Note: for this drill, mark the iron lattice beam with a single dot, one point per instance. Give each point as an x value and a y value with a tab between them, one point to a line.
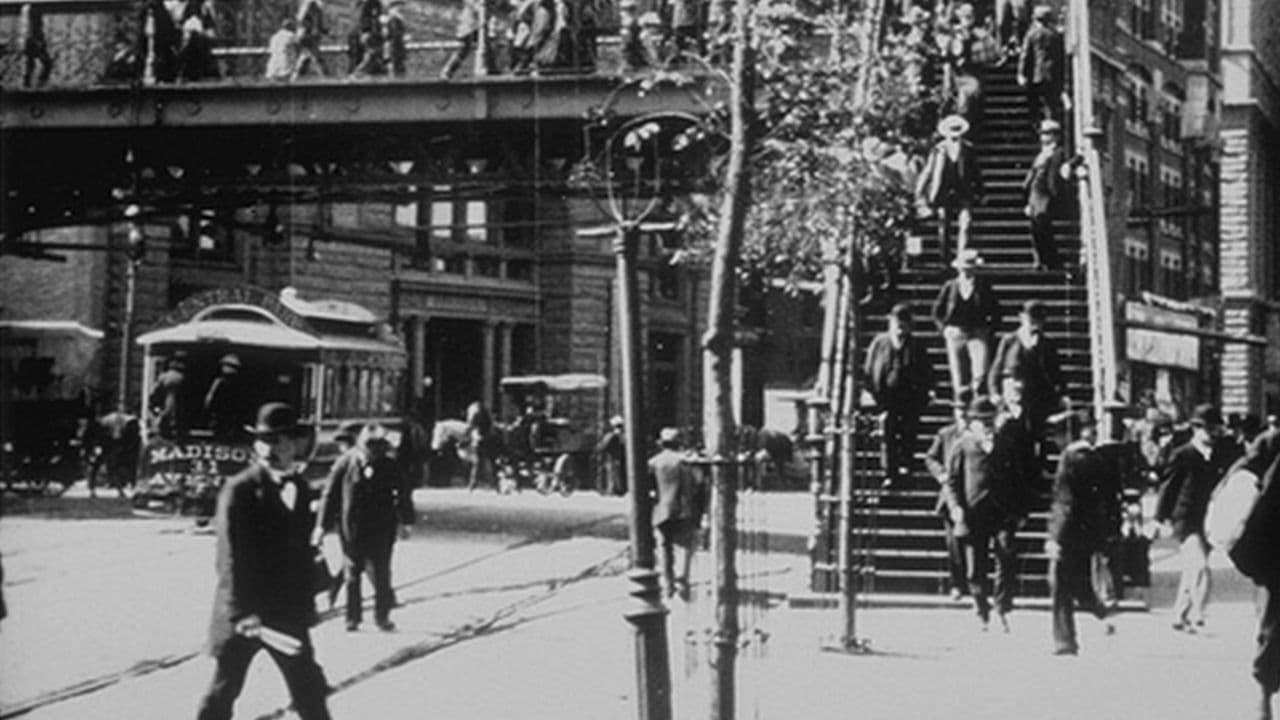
80	157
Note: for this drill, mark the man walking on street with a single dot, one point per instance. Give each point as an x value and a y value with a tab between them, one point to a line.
981	497
1042	66
264	593
898	376
935	460
1076	529
364	498
675	515
1188	482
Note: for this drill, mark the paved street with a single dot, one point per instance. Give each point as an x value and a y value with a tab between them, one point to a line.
512	608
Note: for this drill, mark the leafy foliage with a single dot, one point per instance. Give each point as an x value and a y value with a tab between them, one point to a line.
824	165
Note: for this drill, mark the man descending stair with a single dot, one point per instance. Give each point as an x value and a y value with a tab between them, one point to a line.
1047	192
966	312
1042	67
897	371
982	497
951	183
1027	355
935	459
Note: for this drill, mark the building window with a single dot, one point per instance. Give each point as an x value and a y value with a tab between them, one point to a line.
1171	278
441	214
1136	262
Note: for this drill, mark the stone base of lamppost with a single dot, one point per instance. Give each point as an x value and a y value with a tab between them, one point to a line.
648	618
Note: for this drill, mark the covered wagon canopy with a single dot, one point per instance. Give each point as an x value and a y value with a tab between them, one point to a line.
566	382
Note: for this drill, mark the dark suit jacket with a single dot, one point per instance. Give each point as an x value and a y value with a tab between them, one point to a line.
1044	184
932	186
935	460
264	556
1043	60
898	378
1188	480
363	500
944	305
1076	515
1037	367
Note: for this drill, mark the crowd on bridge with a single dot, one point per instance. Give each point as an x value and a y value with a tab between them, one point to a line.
177	40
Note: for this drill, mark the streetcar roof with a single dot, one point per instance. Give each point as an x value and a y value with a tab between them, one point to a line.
257	334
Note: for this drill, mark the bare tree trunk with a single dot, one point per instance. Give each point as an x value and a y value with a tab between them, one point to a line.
718	414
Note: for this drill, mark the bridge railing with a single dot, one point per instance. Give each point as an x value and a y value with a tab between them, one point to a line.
82	45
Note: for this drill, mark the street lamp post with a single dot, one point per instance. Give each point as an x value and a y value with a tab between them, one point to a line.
134	251
647	615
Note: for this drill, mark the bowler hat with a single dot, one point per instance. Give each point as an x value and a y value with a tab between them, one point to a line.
274	418
1206	415
1034	309
374	433
901	312
982	408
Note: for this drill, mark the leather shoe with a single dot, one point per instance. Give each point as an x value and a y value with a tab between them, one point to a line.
386	625
352	626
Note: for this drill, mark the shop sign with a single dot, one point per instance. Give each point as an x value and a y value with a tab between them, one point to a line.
1154	347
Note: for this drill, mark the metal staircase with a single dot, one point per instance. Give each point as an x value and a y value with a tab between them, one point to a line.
896	540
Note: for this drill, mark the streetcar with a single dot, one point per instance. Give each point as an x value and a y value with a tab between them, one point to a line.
543	448
221	354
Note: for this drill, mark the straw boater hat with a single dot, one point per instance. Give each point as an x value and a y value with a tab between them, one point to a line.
1042	12
669	435
953	126
230	360
1050	126
966	259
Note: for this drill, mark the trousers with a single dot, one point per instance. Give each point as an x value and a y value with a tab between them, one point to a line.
302	676
896	452
1071	586
376	558
980	546
968	353
1266	662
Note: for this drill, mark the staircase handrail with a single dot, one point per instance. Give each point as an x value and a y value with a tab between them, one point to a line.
1095	248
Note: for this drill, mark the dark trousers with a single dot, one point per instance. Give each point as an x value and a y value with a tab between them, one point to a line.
468	46
32	55
900	424
302	676
1042	244
1266	663
1071	586
955	556
1045	101
377	559
979	547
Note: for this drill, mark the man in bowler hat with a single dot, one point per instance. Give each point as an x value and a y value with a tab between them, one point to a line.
1077	527
264	563
984	503
899	377
1188	480
364	498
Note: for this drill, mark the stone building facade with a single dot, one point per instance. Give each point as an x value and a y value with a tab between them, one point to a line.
1251	202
